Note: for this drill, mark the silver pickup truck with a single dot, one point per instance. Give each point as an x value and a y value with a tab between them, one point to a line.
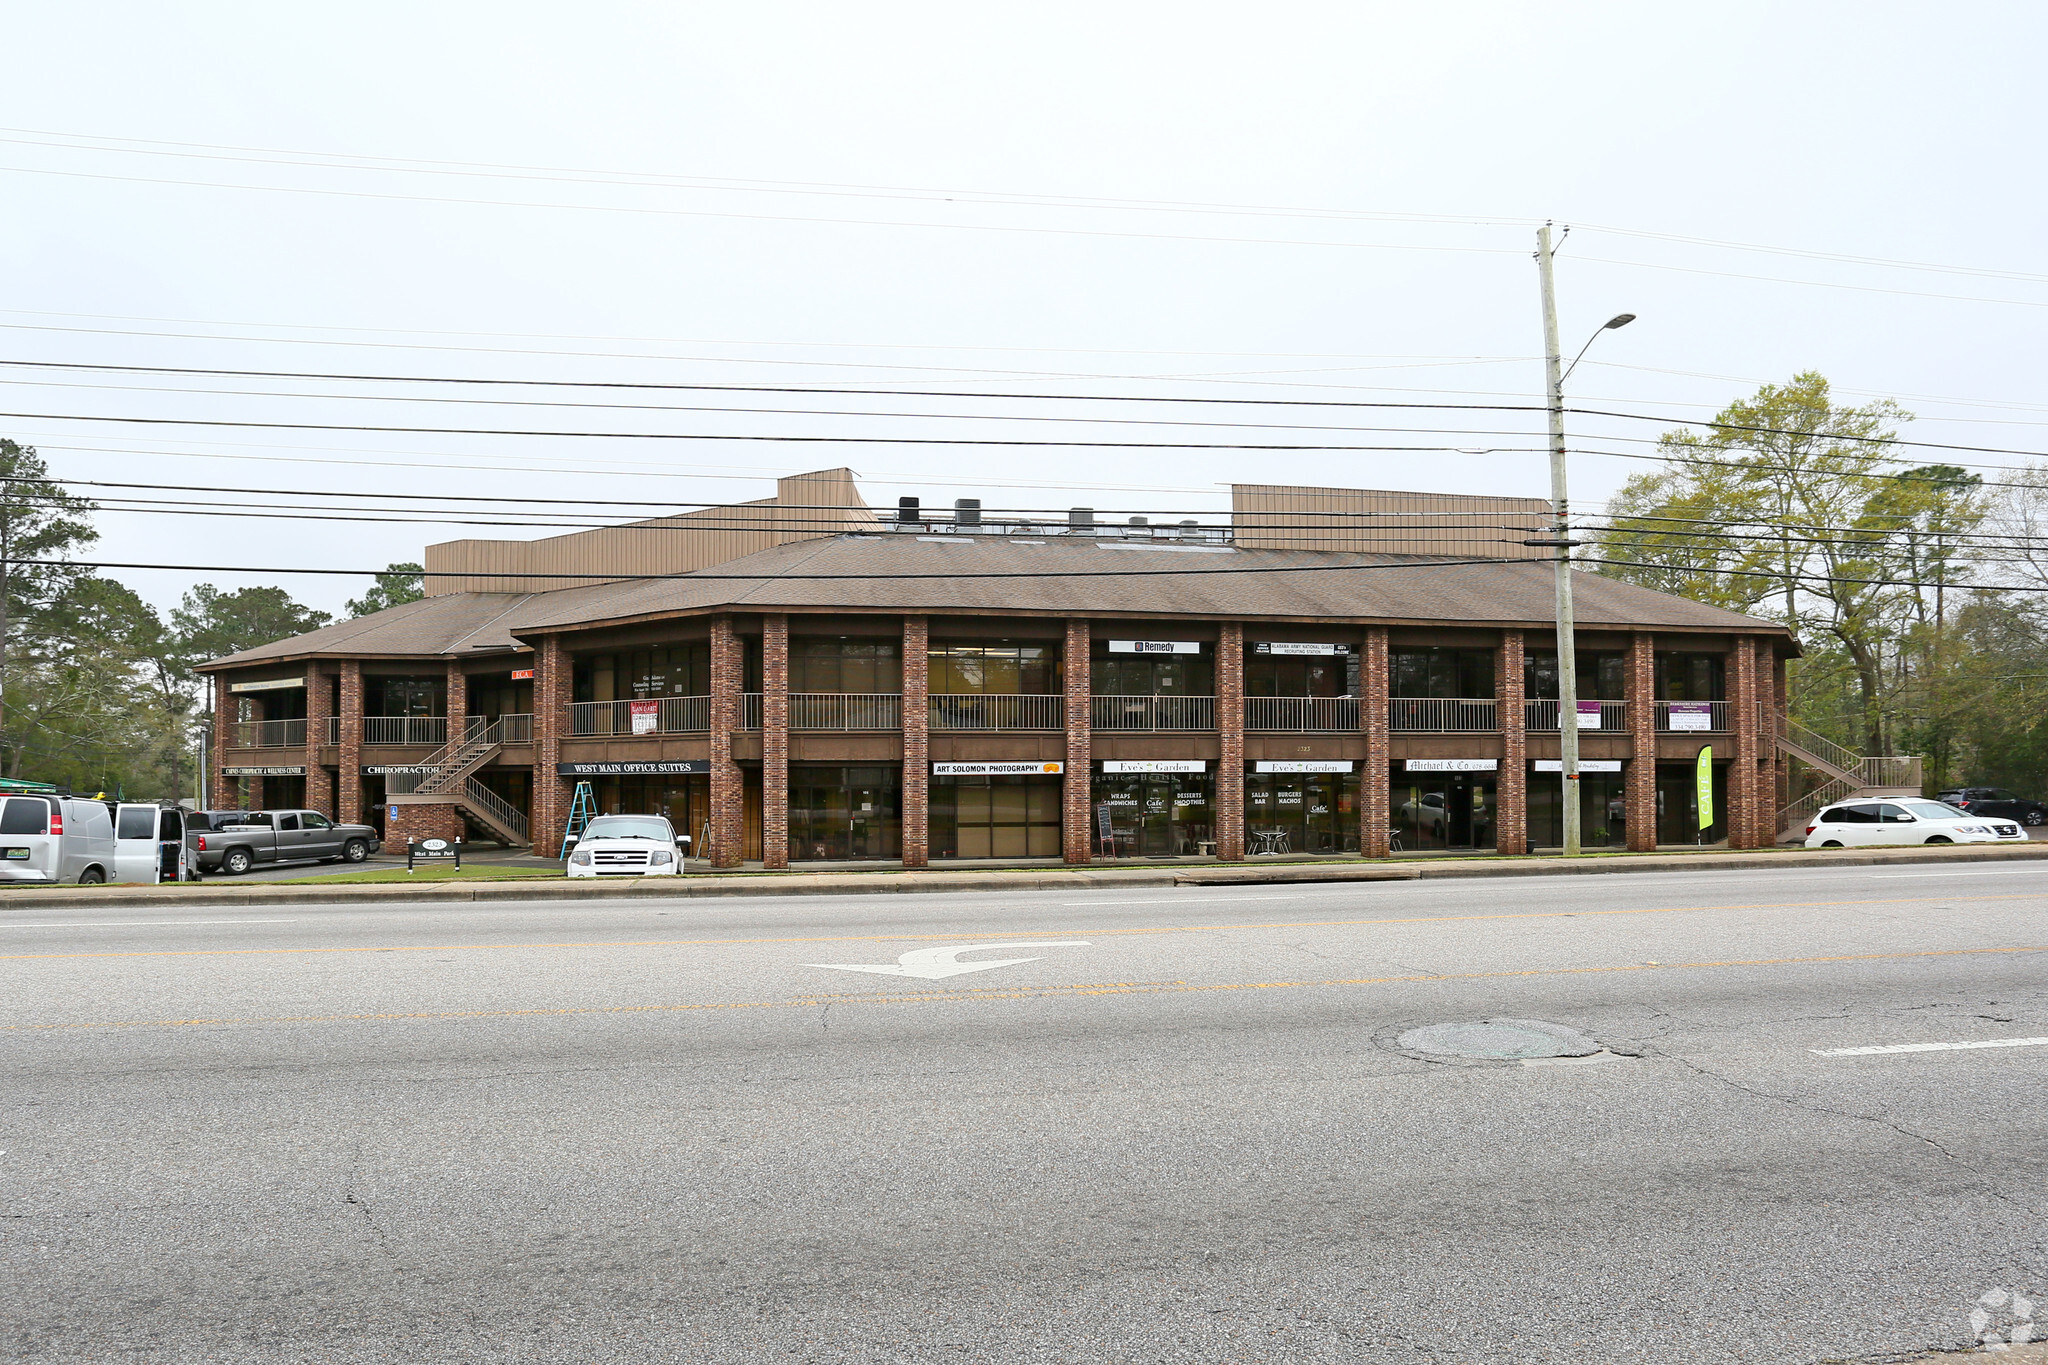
277	836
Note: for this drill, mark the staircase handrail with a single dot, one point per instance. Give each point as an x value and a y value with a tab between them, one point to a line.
455	764
495	807
1821	747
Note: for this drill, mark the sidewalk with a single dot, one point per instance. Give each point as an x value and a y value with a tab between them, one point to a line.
838	882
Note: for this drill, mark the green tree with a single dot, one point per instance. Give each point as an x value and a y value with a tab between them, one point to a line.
397	585
1790	506
40	522
211	624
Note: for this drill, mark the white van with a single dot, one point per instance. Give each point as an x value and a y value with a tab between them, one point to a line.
52	839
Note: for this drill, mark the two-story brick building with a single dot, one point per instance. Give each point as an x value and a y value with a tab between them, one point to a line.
1335	671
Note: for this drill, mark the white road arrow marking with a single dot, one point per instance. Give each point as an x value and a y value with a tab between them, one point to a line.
932	964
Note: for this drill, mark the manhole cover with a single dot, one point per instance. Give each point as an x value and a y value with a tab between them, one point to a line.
1499	1040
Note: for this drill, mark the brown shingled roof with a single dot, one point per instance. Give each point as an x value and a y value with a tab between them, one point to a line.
901	572
455	624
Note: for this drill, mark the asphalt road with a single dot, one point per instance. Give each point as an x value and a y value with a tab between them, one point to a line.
657	1132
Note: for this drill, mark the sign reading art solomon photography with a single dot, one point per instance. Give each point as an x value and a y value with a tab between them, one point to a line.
1029	768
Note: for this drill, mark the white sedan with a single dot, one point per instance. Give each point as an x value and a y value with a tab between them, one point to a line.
1906	820
628	846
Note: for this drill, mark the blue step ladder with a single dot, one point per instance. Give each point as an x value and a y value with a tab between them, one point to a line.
581	809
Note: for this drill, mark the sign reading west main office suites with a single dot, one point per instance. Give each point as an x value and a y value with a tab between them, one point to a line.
1113	766
281	771
1024	769
1155	646
1299	650
1450	765
668	768
1304	765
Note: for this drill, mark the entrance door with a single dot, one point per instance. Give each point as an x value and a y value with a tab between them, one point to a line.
1444	810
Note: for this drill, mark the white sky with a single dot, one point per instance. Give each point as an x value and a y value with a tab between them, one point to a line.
1871	130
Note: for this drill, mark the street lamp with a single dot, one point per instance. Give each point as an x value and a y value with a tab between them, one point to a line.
1561	541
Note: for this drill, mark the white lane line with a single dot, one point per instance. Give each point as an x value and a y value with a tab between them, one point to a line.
1928	1047
140	923
1985	872
1224	899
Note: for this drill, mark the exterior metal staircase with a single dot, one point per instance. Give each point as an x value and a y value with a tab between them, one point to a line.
447	778
1848	775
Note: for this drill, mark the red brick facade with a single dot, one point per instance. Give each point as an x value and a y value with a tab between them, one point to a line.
349	753
1746	817
403	823
775	741
1230	737
458	703
226	791
1513	790
1640	782
728	786
320	781
554	683
917	746
1077	822
1375	814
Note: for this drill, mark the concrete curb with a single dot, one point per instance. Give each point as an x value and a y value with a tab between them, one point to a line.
913	883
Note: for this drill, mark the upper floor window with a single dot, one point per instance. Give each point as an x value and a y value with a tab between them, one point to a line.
845	663
1692	677
668	671
1271	671
1602	676
1116	673
405	696
1438	671
994	666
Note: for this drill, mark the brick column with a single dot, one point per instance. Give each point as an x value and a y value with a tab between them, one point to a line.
728	787
775	740
349	753
1781	712
219	789
1375	816
554	688
319	706
252	787
458	702
1077	811
1744	827
1230	733
1641	781
917	741
1512	823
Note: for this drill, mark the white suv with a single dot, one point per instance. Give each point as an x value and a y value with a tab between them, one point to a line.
1906	820
628	846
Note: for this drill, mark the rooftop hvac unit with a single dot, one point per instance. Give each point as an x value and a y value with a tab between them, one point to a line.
967	511
907	512
1081	519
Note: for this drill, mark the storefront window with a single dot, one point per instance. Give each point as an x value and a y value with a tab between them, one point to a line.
1439	672
1678	805
1603	810
995	817
1157	815
841	663
1311	812
497	694
1442	811
995	666
1602	676
853	812
1692	677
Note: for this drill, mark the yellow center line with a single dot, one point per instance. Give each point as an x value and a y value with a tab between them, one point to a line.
993	993
933	938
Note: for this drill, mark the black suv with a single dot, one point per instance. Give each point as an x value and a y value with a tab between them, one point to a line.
1997	803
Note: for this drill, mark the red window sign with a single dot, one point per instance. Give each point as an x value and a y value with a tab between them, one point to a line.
522	675
646	716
